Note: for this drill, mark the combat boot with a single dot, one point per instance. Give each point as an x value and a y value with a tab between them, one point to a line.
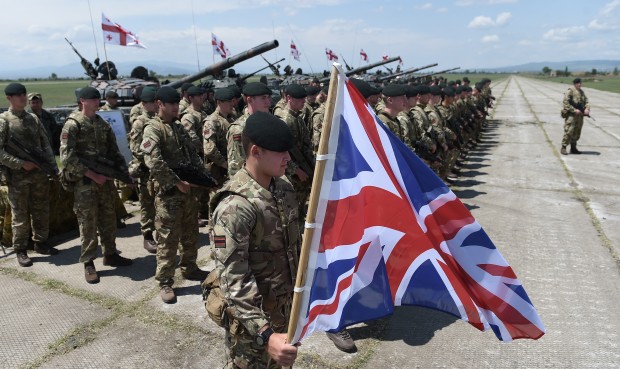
23	260
44	249
90	273
343	341
149	243
563	150
116	260
196	275
167	295
573	149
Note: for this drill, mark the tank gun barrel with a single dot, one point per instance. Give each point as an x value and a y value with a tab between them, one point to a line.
440	72
88	67
226	63
364	68
408	71
269	66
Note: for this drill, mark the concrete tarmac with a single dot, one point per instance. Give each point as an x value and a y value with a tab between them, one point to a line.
555	218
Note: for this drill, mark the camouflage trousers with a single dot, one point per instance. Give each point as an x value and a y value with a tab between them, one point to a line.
572	129
95	212
146	195
241	350
176	221
30	208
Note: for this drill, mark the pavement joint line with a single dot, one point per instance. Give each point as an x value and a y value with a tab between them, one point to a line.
579	195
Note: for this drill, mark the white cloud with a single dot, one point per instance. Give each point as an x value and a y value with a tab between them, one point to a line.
490	39
482	21
443	9
608	18
564	34
425	6
503	18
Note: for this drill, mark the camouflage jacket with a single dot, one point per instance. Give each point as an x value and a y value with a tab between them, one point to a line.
301	154
256	246
192	121
183	105
577	98
137	166
317	125
83	137
447	121
279	108
167	146
214	132
437	124
416	134
136	111
27	128
234	147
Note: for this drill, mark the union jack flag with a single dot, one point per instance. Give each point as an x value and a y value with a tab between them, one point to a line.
330	55
219	47
389	232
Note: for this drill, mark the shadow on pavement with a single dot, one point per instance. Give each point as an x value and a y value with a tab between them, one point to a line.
415	325
595	153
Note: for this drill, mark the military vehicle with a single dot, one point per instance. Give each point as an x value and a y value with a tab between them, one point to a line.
395	76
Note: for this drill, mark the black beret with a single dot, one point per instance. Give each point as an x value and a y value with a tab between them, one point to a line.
224	94
458	81
363	87
14	89
235	90
459	89
449	91
167	94
479	86
256	89
424	89
465	79
89	93
312	90
467	89
577	80
186	86
435	90
411	91
111	94
194	91
148	94
295	91
393	89
451	83
269	132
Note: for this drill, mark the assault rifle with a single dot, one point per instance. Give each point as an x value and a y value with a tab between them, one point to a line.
423	152
194	175
298	157
580	107
88	67
32	154
107	167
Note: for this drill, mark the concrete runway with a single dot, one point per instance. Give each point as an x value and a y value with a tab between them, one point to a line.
556	219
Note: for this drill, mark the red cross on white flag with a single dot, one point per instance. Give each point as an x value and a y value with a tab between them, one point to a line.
330	55
294	52
219	47
115	34
364	55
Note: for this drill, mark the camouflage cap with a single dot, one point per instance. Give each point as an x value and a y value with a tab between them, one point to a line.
167	94
224	94
256	89
34	95
14	89
393	90
269	132
88	93
295	91
149	94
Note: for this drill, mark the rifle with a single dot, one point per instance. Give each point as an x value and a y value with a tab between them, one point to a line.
244	78
194	175
32	154
424	153
88	67
274	68
301	162
580	107
106	167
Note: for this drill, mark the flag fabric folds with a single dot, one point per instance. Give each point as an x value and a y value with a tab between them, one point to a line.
115	34
385	57
389	232
364	55
294	52
219	47
331	55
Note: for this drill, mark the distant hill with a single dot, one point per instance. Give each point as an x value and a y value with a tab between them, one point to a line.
573	66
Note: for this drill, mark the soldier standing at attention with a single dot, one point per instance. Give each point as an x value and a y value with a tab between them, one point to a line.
576	106
28	186
139	170
35	102
184	98
85	134
214	135
258	98
395	99
166	145
256	250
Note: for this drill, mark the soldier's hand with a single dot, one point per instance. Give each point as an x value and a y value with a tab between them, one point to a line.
586	112
282	352
98	178
577	112
301	175
184	186
28	166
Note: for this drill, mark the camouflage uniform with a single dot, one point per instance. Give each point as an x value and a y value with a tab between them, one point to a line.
573	123
94	204
192	120
215	146
397	127
183	105
165	147
317	126
280	108
28	191
256	252
234	147
136	111
51	128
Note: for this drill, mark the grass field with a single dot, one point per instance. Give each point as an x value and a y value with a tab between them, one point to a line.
603	83
54	92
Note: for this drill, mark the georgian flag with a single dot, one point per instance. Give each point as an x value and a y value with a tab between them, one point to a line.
219	47
115	34
364	55
294	52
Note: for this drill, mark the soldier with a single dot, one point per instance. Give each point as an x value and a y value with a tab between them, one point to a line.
87	135
575	107
35	102
256	250
310	105
193	116
214	135
258	98
395	99
166	146
316	119
184	99
139	170
28	186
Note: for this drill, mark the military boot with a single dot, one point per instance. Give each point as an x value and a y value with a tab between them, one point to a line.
343	341
116	260
149	243
167	295
23	260
90	273
563	150
573	149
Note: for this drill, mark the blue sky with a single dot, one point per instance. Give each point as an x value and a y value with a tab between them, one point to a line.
465	33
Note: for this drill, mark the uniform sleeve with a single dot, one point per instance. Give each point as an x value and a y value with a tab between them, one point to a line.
189	123
234	220
210	143
152	148
236	152
45	143
567	98
68	153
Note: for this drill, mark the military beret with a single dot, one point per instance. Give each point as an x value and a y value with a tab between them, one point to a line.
34	95
149	94
224	94
295	91
89	93
235	90
459	89
449	91
393	89
465	79
14	89
167	94
435	90
451	83
467	89
256	89
111	94
269	132
363	87
577	80
424	89
458	81
411	91
312	90
479	86
194	91
186	86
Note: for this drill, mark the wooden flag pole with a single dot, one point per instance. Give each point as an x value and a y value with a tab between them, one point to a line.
313	204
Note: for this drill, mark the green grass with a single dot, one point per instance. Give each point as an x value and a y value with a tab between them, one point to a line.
61	92
603	83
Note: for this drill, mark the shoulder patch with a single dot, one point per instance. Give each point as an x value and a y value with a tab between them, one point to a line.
219	242
147	145
237	137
